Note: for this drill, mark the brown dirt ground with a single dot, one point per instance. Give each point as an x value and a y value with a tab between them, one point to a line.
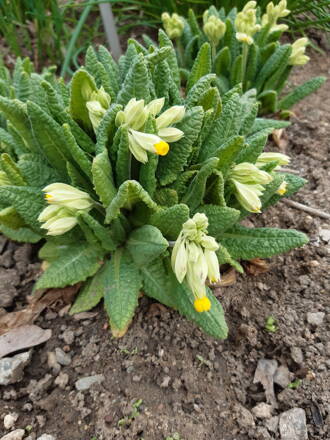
189	383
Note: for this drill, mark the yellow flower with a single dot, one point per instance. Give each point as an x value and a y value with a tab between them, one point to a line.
97	104
57	220
282	189
273	13
281	159
194	259
246	23
214	28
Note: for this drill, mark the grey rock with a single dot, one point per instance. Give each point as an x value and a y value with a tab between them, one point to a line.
18	434
86	382
325	235
46	437
3	242
36	389
9	278
272	424
282	376
315	318
68	337
265	375
61	357
297	355
165	382
262	411
293	425
52	362
11	368
6	259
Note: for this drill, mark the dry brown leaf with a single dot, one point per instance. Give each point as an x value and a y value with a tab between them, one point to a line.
22	337
280	139
37	303
256	266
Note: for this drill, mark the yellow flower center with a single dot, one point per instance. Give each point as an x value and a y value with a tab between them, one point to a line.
162	148
202	304
48	197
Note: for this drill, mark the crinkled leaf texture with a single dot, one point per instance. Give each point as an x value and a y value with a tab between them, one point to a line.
162	285
244	243
122	290
79	262
145	244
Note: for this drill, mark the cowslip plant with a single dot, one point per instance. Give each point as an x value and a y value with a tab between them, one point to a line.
135	185
242	47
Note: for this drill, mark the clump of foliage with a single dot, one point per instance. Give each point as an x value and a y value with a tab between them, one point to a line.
242	47
134	187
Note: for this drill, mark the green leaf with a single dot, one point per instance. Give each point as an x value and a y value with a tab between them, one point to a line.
145	244
13	172
166	197
24	235
269	124
172	165
246	243
222	61
15	112
294	183
277	60
196	191
224	257
164	287
82	85
228	153
202	65
129	193
9	217
224	127
103	179
92	292
197	91
122	291
77	264
170	220
106	129
78	155
50	138
27	201
268	101
136	83
301	92
105	236
124	157
164	41
254	147
220	218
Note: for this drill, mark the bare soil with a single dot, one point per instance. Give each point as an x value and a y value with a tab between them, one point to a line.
189	383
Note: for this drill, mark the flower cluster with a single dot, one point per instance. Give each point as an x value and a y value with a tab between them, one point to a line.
246	23
65	202
273	13
298	57
173	25
134	117
194	259
214	27
97	104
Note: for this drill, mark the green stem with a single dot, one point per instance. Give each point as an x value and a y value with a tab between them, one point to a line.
245	54
214	52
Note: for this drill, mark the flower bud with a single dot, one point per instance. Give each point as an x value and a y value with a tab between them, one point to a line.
282	189
298	56
173	25
246	23
170	116
60	226
95	113
214	29
213	272
61	194
170	134
247	173
281	159
135	114
155	106
248	196
201	221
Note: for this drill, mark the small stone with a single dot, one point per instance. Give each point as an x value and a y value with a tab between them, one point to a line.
46	437
272	424
325	235
52	362
41	420
262	411
9	420
61	357
9	278
136	378
297	355
18	434
244	417
68	337
293	425
165	382
11	368
62	380
28	407
315	318
282	376
86	382
6	259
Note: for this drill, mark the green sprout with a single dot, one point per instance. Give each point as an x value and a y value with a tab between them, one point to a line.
271	324
295	384
126	421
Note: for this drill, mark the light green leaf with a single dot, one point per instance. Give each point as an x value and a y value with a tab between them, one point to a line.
145	244
103	179
170	220
202	65
82	84
220	218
